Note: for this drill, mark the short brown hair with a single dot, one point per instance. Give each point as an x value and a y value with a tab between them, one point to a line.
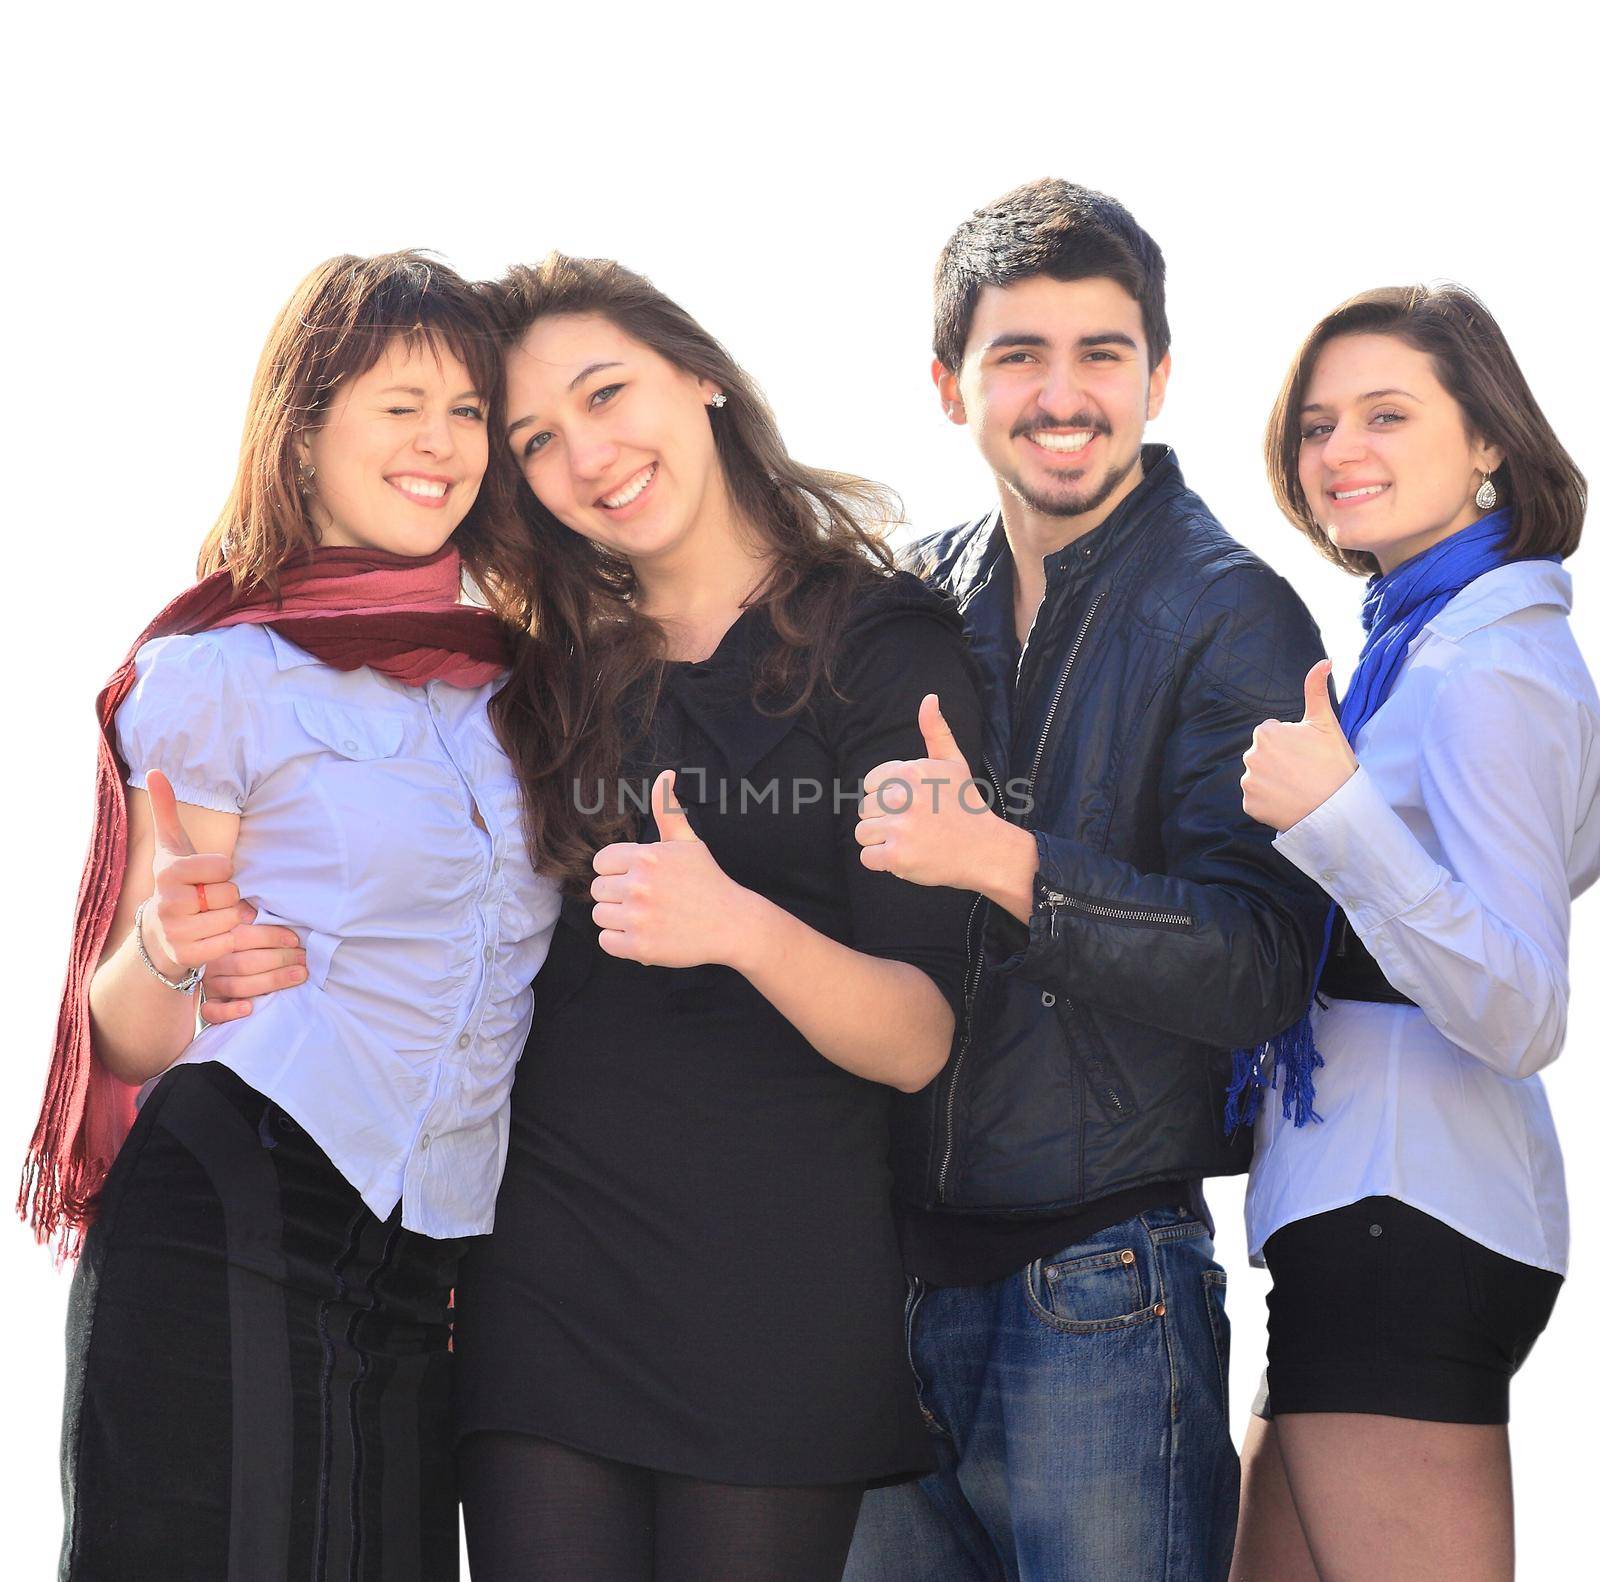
336	325
1538	480
1052	228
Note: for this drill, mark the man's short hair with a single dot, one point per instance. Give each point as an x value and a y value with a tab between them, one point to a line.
1051	228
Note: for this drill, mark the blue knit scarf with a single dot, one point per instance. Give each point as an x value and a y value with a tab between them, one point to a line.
1396	608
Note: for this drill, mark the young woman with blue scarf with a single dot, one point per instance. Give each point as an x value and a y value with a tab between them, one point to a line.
1407	1192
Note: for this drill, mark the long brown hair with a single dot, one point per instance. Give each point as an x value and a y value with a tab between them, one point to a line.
1473	361
337	324
594	659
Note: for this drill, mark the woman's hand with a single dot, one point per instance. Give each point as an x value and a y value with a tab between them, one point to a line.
194	907
1292	769
264	958
668	904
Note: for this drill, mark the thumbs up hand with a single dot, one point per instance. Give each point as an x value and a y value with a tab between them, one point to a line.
194	907
927	819
1292	769
666	903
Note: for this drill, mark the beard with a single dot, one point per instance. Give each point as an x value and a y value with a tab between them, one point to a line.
1065	499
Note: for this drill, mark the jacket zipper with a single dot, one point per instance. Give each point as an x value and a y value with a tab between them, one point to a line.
1061	686
969	999
1119	914
972	993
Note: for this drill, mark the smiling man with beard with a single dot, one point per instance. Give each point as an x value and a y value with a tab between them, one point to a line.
1065	1316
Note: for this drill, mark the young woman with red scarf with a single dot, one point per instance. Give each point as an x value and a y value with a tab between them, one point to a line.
298	772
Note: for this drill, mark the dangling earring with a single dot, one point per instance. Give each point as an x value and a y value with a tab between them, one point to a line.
719	400
308	471
1486	496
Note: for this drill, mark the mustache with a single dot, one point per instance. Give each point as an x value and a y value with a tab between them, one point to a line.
1079	420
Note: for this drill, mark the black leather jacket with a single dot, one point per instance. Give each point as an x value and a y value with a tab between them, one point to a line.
1166	931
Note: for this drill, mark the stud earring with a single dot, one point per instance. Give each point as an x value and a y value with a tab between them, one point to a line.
719	400
1486	495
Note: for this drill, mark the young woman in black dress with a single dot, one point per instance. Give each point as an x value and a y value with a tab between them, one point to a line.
680	1354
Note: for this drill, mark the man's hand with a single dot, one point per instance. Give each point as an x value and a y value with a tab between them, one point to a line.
927	819
667	903
1292	769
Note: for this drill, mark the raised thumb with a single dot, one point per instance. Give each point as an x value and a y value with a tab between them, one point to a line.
937	736
171	836
1319	704
672	823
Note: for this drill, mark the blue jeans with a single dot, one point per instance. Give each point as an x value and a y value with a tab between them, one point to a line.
1081	1413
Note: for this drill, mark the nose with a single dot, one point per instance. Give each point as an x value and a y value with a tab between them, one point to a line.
590	454
1347	443
1060	394
433	437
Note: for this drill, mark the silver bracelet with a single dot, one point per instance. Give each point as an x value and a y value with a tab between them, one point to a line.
188	983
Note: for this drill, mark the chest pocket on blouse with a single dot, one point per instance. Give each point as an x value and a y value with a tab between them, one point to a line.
347	733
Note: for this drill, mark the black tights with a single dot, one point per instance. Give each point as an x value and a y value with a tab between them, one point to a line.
540	1512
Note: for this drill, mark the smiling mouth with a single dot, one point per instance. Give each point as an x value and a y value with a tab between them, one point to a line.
429	492
630	491
1365	492
1056	442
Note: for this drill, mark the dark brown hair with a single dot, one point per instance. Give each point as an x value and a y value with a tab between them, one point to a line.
338	323
1472	360
594	660
1052	228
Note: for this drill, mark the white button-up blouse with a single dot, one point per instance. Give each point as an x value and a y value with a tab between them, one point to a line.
422	931
1455	850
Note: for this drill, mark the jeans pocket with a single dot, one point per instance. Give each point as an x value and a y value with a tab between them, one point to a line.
1101	1291
1216	1289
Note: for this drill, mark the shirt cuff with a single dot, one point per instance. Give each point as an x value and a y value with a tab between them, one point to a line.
1363	854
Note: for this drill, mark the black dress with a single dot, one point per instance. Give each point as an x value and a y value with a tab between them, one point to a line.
694	1266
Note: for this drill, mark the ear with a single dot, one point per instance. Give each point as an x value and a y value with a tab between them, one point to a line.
707	389
1487	458
1157	397
948	385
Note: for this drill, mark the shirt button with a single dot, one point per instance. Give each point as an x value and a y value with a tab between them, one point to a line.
488	952
1047	999
352	747
463	1040
427	1141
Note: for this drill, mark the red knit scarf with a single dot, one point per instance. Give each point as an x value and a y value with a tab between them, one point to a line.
347	608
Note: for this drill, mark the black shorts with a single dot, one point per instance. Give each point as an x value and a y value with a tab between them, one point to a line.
1378	1307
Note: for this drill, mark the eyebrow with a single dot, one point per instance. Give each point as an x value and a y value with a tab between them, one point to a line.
1371	395
1100	338
577	379
417	390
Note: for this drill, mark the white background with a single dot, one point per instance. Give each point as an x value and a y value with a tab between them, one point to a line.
790	177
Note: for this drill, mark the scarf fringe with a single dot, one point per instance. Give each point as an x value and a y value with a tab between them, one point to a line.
1291	1055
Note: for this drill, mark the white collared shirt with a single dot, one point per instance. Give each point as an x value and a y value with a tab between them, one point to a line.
1455	850
422	931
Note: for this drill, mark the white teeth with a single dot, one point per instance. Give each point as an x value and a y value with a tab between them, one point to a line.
421	488
615	502
1060	442
1356	494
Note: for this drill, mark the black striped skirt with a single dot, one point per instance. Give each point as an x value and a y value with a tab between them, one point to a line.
258	1372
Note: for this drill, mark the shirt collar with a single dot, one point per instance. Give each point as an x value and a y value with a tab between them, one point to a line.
286	654
1521	585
